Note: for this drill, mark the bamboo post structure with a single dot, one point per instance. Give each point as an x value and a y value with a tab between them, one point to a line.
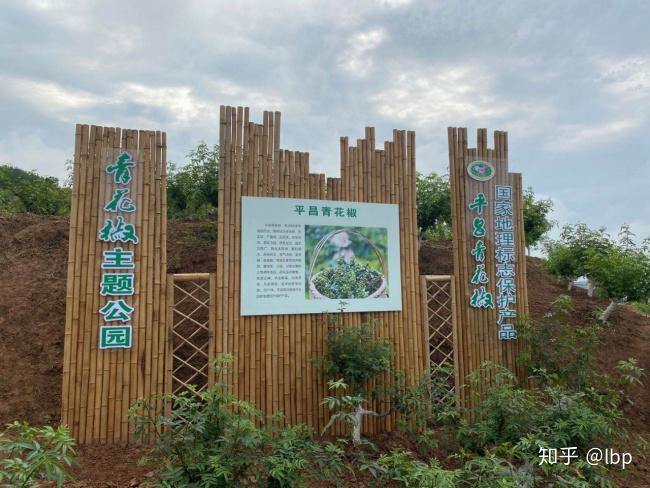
486	329
99	386
274	354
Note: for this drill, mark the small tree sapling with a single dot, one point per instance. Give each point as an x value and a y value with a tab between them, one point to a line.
354	357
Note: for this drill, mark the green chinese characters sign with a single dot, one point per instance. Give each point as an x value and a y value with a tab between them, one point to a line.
118	265
309	256
503	237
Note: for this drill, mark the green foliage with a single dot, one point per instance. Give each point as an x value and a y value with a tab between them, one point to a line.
439	232
342	406
536	221
560	350
514	423
29	455
617	269
433	198
348	280
623	272
212	439
355	355
399	466
505	409
25	191
569	256
565	404
426	404
192	190
641	306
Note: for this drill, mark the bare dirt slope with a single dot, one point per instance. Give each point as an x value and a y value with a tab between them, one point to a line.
33	257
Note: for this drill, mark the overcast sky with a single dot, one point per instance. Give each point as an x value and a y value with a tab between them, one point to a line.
569	81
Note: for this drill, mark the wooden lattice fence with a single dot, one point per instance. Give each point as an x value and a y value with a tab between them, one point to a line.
440	331
191	315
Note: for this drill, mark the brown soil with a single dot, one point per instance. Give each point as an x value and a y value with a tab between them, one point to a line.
33	254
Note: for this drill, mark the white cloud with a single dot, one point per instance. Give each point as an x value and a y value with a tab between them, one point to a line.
357	59
394	3
454	95
628	78
49	96
576	136
178	102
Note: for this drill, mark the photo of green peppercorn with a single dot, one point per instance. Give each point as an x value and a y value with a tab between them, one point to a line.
346	262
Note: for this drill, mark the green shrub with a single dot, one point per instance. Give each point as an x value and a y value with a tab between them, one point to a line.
641	306
192	190
355	355
568	256
29	455
426	404
433	198
399	466
212	439
560	350
536	221
348	280
504	412
26	191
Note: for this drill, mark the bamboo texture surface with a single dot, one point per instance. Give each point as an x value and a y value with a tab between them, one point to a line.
477	328
99	386
274	355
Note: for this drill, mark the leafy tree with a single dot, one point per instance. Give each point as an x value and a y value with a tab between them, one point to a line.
433	198
192	190
25	191
354	357
619	270
536	221
621	274
568	256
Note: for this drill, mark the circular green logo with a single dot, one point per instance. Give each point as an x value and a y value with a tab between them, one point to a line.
480	170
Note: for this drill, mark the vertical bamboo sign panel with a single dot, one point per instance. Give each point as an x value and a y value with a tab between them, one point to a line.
273	353
489	258
115	328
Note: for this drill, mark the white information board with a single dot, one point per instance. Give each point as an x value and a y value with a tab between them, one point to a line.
308	256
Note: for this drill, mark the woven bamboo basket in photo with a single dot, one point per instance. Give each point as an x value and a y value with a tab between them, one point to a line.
379	293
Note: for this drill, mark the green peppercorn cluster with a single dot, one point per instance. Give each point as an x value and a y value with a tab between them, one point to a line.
348	280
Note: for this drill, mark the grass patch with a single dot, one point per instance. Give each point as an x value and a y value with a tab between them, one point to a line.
641	306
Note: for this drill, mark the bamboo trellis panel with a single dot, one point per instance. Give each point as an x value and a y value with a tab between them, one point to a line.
191	315
440	330
477	340
99	386
273	365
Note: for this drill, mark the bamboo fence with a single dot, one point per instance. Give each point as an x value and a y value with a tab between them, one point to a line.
99	386
477	328
439	326
274	355
191	318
